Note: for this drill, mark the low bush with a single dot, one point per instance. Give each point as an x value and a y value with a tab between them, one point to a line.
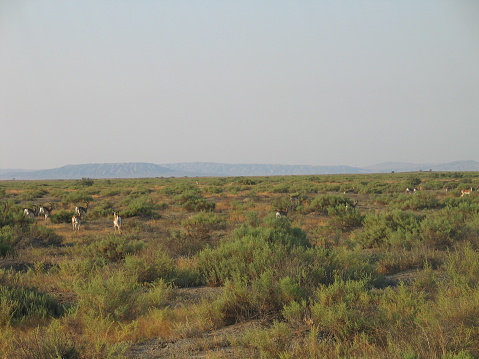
443	228
76	197
39	236
52	343
62	216
345	309
21	304
7	241
259	298
111	294
149	267
272	342
396	228
419	201
113	248
325	203
140	206
192	201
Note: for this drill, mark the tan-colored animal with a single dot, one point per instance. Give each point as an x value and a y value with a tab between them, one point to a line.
466	191
76	222
117	222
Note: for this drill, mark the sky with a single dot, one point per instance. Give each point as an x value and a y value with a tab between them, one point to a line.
324	82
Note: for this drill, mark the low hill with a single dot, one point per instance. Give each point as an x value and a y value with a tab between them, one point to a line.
226	169
210	169
388	167
104	170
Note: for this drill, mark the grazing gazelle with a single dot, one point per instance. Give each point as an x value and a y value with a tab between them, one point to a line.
30	212
45	211
295	199
76	221
81	211
280	214
352	205
117	222
466	191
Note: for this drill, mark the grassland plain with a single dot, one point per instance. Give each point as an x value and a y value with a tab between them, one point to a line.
205	269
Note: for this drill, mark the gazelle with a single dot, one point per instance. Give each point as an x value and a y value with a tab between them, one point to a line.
295	199
30	212
117	222
466	191
81	211
76	221
411	190
280	214
352	205
45	211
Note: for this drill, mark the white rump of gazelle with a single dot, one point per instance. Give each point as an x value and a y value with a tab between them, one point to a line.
76	222
117	222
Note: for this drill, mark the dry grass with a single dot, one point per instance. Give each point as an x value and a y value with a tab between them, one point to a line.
190	322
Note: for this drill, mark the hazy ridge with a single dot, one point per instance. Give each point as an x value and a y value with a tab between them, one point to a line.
207	169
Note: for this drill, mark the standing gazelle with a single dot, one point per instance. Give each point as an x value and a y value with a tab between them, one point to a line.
30	212
117	222
76	221
45	211
466	191
81	211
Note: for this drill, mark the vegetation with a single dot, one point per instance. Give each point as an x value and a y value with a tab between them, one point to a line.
358	268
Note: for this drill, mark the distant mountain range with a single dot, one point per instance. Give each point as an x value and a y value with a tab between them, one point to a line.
209	169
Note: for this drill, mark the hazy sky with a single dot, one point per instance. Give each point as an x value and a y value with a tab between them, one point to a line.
337	82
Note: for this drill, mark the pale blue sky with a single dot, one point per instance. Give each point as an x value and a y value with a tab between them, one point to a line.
285	82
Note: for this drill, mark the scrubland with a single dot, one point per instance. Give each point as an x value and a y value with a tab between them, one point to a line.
203	268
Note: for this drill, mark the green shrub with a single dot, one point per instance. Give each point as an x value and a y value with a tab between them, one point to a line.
462	265
250	253
198	204
329	202
113	248
207	220
85	182
19	304
180	188
192	201
41	236
346	220
140	206
441	229
112	294
76	197
391	228
420	200
272	342
101	210
62	216
245	300
345	309
196	233
31	195
149	268
7	241
52	343
110	192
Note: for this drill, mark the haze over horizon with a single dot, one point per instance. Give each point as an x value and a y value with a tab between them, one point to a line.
279	82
